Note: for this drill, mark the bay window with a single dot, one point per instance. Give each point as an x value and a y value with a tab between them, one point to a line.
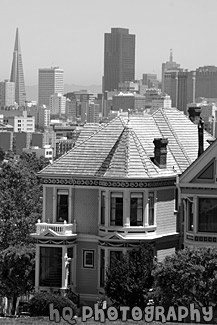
151	208
62	205
102	217
116	214
136	209
207	212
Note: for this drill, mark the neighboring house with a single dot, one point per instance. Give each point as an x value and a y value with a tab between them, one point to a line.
114	190
198	189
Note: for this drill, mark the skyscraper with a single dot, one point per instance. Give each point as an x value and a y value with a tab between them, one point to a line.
17	75
50	82
119	58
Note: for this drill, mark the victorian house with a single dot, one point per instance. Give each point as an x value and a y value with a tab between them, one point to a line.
198	191
112	191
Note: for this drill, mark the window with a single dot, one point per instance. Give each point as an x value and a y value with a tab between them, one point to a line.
102	220
50	267
136	209
62	205
151	208
190	214
116	217
207	210
88	259
102	267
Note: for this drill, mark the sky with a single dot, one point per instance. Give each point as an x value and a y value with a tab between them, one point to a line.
70	34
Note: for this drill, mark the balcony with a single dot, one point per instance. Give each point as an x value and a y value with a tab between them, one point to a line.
61	229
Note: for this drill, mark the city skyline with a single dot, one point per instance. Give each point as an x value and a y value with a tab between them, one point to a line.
71	36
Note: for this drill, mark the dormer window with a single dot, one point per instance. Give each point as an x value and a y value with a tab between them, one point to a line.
136	209
62	205
116	214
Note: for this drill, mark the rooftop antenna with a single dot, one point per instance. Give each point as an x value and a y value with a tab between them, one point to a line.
171	55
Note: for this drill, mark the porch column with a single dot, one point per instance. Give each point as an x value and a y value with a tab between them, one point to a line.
126	209
54	205
64	268
37	266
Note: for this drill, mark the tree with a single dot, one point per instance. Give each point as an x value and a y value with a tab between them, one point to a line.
21	200
17	271
189	276
2	155
129	279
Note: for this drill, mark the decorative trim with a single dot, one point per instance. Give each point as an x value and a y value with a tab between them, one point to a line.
208	239
55	242
102	183
120	244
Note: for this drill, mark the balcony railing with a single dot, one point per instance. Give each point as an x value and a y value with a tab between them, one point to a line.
64	229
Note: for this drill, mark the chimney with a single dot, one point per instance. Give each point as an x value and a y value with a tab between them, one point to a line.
194	113
160	152
200	137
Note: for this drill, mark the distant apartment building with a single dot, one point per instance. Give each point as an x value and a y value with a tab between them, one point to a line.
46	152
150	80
128	86
50	82
21	123
71	110
125	101
89	112
21	140
119	58
7	94
6	140
57	104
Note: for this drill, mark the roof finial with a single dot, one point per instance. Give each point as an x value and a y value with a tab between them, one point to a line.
171	55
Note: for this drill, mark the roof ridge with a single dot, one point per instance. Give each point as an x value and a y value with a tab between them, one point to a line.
176	138
174	134
137	140
107	163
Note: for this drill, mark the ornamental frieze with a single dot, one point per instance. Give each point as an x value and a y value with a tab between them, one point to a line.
117	184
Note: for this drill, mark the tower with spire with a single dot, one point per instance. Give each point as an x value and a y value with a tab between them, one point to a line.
169	65
17	75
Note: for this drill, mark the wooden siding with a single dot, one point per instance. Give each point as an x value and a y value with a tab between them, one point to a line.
85	210
49	204
86	278
161	254
165	217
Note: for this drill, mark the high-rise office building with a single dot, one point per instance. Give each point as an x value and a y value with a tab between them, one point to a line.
119	58
50	82
17	75
7	93
167	66
206	82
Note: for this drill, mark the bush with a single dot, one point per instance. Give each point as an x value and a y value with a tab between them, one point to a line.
39	304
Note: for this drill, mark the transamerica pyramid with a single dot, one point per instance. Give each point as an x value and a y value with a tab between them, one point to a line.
17	75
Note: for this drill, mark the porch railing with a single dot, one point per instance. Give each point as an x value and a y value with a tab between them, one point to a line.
60	228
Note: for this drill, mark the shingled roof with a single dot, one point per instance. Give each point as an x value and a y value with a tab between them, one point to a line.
124	148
